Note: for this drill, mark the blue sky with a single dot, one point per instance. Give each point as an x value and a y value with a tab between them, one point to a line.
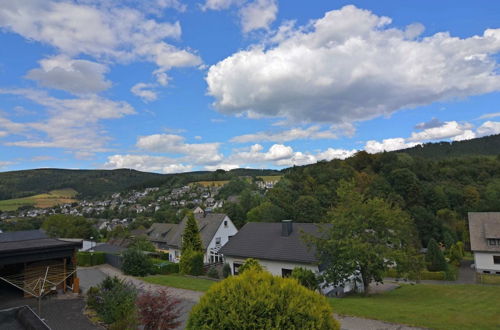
171	85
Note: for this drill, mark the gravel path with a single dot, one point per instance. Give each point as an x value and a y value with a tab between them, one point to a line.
93	275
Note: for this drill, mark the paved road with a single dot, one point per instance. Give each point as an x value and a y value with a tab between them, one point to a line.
190	298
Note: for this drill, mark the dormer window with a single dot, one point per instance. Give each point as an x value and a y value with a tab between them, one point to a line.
225	223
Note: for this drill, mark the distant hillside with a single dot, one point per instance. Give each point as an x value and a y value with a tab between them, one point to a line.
96	183
485	146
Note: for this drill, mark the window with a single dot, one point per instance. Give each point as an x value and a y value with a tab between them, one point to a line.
236	266
496	260
492	241
225	223
286	272
217	241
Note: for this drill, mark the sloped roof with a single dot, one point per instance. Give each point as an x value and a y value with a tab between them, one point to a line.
23	235
484	225
208	224
263	240
162	232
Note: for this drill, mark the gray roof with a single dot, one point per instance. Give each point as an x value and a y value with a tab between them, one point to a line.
23	235
263	240
484	225
162	232
208	224
108	248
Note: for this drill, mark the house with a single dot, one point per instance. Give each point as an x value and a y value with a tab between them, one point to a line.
279	248
215	231
484	228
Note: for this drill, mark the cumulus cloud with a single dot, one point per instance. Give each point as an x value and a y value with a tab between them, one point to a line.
373	146
147	163
74	76
144	91
198	153
313	132
446	130
73	124
258	14
220	4
489	128
350	66
99	29
434	122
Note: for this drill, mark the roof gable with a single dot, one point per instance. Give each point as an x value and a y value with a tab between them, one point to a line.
208	224
484	225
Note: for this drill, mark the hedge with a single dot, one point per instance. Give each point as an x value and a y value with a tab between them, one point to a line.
86	259
424	275
165	268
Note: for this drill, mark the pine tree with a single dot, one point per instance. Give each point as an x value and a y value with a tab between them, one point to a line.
191	239
434	257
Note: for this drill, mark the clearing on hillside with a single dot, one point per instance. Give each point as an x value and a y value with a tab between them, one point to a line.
50	199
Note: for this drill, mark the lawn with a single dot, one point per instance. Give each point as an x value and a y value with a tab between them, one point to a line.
50	199
179	281
431	306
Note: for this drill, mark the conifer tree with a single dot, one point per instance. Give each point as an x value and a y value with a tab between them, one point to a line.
434	257
191	239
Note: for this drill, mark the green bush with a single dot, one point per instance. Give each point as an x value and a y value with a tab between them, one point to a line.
114	302
434	257
451	273
226	270
437	276
271	302
306	277
191	263
250	263
86	259
136	263
165	268
213	273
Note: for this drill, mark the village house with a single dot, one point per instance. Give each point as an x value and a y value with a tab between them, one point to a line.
484	228
279	248
215	230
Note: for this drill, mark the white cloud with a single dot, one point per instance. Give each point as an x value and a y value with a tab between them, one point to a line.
258	14
447	130
466	135
489	128
74	76
104	30
350	66
220	4
4	164
3	134
147	163
143	91
434	122
313	132
72	124
490	115
198	153
373	146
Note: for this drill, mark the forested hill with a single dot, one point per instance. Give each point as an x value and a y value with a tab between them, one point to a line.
485	146
98	183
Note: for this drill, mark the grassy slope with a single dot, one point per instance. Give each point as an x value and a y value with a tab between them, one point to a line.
432	306
50	199
179	281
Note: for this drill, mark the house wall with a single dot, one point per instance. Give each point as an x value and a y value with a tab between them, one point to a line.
224	233
484	262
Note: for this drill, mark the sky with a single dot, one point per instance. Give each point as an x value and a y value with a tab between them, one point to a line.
173	86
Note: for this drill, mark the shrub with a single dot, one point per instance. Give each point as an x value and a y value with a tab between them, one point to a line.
114	302
86	259
305	277
191	263
165	268
226	270
436	276
434	257
158	310
250	263
136	263
213	273
271	302
83	259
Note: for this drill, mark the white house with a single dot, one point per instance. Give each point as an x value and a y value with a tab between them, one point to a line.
484	228
215	231
279	248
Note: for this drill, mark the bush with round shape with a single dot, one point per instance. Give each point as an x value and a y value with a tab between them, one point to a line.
270	302
136	263
250	263
226	270
213	273
191	263
306	277
158	310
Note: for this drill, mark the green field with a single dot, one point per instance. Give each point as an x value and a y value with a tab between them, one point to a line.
211	183
50	199
267	178
430	306
181	282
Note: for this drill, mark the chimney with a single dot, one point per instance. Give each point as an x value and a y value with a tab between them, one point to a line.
286	228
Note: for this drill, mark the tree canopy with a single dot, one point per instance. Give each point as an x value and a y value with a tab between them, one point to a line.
191	239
